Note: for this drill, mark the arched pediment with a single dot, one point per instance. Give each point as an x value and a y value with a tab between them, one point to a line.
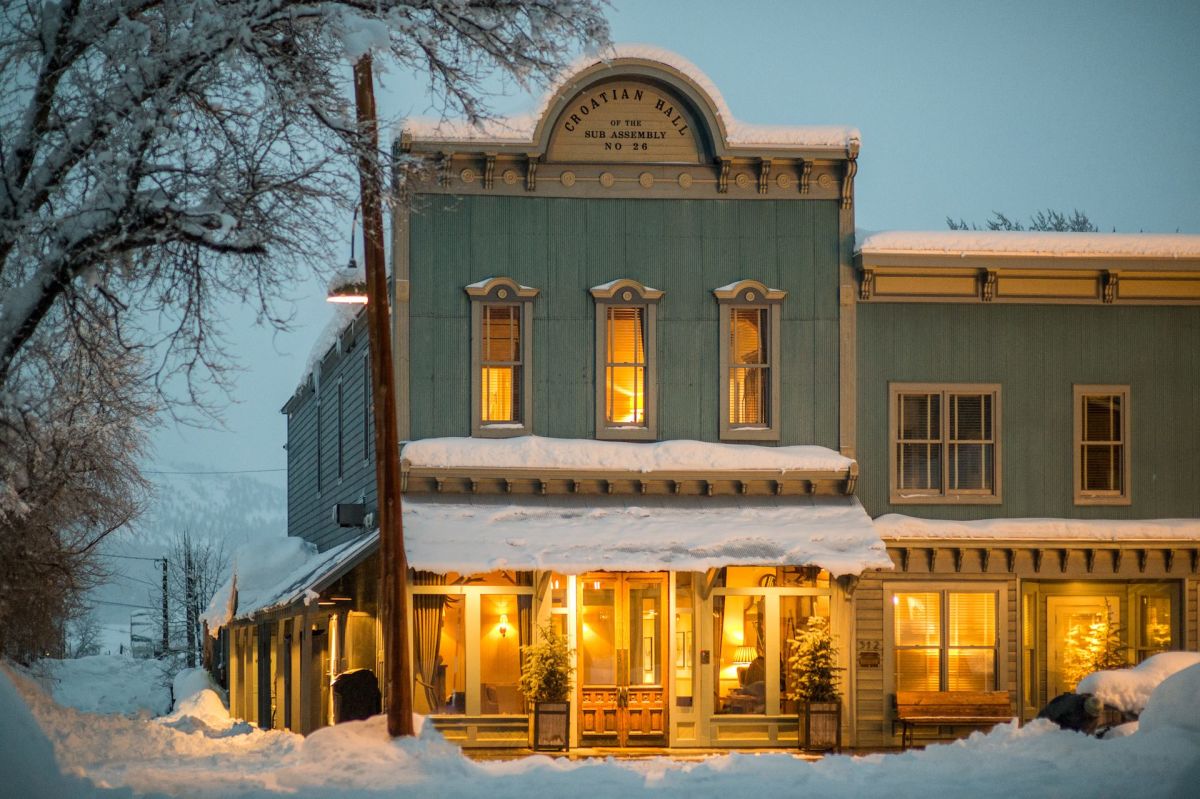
631	110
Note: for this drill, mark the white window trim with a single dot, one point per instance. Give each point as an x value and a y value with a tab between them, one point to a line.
501	291
1082	497
944	496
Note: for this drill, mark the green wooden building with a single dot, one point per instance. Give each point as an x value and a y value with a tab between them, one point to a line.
656	393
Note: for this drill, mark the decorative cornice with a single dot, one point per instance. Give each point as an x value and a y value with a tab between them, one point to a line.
749	291
619	289
500	288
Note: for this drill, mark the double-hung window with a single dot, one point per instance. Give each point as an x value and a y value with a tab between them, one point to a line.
944	639
1102	445
749	360
626	377
501	358
944	443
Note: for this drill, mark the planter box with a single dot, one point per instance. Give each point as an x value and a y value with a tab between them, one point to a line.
821	726
551	726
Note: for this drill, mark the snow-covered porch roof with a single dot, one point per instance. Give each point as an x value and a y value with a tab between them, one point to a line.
574	534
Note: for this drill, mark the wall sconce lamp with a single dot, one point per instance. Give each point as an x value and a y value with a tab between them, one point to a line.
503	628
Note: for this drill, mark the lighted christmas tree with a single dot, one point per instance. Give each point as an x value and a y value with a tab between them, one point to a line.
1094	646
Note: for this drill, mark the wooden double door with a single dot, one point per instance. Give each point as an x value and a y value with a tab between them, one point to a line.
624	652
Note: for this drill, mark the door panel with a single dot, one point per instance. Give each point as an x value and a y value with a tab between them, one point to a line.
622	635
1074	625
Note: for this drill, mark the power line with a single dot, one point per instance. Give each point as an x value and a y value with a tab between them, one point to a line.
130	557
121	604
231	471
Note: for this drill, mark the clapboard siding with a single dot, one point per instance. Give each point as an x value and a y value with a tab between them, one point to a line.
1037	353
563	247
314	488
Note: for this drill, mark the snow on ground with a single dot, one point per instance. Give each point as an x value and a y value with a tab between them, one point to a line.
1130	689
573	453
230	759
107	684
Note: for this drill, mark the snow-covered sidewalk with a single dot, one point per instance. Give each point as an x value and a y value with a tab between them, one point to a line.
197	751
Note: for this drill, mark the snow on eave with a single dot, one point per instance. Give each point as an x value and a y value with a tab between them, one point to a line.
1011	243
898	527
521	128
538	452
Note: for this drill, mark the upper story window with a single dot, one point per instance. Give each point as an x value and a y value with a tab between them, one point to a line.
1102	445
626	362
944	443
501	358
749	335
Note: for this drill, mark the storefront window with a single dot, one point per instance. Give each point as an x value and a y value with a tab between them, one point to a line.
500	654
1154	627
944	640
683	640
597	646
757	611
439	654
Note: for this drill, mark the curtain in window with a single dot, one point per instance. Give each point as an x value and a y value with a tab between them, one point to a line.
625	366
428	610
500	357
918	441
748	366
1101	453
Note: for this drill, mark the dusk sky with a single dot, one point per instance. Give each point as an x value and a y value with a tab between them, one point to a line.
964	108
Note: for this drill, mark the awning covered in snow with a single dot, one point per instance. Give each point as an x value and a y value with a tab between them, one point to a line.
573	534
281	573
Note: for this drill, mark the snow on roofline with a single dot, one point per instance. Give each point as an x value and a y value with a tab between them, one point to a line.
572	534
900	527
581	453
520	128
1017	243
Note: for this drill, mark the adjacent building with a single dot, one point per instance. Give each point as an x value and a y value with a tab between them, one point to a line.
656	393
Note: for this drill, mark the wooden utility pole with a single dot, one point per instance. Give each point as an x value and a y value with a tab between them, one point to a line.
166	616
393	563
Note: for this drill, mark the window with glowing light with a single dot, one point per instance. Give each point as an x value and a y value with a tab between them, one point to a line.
501	358
944	640
749	362
945	443
756	613
1102	445
626	391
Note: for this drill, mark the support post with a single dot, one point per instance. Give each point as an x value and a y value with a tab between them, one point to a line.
392	559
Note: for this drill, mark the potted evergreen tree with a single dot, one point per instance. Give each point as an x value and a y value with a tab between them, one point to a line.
546	684
813	683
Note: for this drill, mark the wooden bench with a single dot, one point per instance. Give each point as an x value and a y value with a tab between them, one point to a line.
958	708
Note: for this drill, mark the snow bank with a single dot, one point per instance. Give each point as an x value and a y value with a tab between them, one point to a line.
521	127
358	760
899	526
570	534
576	453
29	766
1025	242
1175	704
1130	689
108	684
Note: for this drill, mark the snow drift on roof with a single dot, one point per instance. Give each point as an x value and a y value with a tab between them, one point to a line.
574	534
520	128
895	525
1007	242
275	573
579	453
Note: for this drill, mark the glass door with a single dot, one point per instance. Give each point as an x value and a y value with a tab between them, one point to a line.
622	659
